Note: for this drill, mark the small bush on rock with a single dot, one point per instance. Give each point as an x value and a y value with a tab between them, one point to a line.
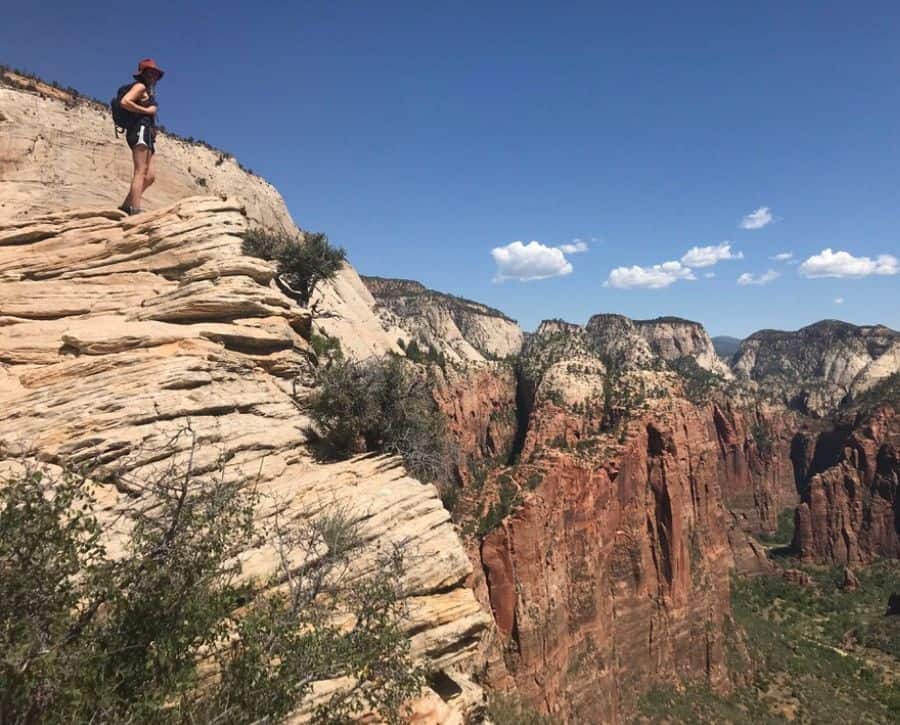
379	405
168	631
302	264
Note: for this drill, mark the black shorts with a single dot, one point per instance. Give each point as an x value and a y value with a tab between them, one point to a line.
141	135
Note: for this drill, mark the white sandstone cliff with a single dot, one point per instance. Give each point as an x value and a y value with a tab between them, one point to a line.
119	333
60	152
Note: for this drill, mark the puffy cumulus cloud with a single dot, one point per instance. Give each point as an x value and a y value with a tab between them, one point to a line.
655	277
708	256
764	278
526	262
709	275
782	256
577	245
757	219
843	264
838	300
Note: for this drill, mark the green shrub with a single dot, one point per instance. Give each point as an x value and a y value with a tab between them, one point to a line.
302	264
88	638
414	353
432	355
379	405
700	384
325	347
507	502
784	531
449	492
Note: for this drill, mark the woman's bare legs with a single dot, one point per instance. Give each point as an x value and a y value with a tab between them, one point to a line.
141	156
150	174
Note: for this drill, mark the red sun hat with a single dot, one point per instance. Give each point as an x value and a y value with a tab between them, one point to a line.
148	64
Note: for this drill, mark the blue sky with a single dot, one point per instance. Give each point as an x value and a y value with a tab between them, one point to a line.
422	136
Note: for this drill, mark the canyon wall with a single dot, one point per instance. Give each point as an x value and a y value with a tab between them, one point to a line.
609	571
609	579
850	509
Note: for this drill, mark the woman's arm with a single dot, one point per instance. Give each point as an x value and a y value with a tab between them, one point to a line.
129	101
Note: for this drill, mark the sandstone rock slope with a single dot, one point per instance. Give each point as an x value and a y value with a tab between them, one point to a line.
119	334
59	151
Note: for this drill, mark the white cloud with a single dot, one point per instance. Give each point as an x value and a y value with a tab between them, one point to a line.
838	300
709	275
843	264
708	256
577	245
526	262
782	256
764	278
757	219
655	277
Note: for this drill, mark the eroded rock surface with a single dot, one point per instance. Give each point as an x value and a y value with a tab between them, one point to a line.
817	367
619	542
672	338
850	510
59	152
459	329
127	342
600	580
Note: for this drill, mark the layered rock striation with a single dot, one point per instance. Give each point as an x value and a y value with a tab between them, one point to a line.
610	571
58	151
458	329
127	343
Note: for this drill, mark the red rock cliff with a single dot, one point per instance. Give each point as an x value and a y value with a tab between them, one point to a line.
850	511
608	579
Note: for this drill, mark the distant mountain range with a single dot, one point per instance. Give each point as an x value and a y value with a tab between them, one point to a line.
726	346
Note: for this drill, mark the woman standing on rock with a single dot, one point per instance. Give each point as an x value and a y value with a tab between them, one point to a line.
139	102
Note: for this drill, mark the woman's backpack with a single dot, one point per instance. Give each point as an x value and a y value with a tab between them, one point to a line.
122	119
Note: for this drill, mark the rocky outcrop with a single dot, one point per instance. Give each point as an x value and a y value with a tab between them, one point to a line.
58	151
479	402
758	477
818	367
612	573
586	379
130	342
850	509
617	542
673	338
453	327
